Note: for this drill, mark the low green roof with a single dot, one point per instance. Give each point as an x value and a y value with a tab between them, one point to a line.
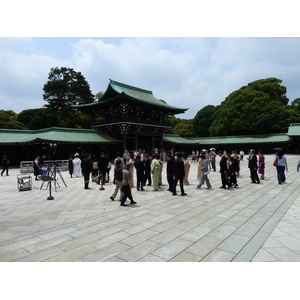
244	139
177	139
294	129
55	134
218	140
138	95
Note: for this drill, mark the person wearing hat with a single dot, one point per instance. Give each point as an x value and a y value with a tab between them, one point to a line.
126	186
253	167
4	162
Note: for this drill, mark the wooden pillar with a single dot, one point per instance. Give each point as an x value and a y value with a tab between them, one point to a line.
136	142
124	142
152	142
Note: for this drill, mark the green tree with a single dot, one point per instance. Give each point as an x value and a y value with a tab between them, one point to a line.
99	95
184	128
296	104
258	108
203	120
36	118
8	120
64	88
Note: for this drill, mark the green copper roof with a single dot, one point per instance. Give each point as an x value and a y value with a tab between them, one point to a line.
55	134
177	139
294	129
138	95
243	139
219	140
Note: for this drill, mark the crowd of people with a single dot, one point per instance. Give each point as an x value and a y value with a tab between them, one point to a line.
149	169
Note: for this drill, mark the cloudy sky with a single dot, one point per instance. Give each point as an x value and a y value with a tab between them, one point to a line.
189	72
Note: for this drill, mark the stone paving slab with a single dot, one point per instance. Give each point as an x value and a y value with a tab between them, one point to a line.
250	223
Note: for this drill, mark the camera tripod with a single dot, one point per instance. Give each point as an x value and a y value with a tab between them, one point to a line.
52	171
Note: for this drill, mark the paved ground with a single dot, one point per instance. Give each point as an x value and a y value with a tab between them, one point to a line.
255	222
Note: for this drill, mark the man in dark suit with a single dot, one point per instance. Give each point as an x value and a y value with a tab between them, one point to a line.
253	167
86	170
170	176
224	171
140	173
178	171
147	169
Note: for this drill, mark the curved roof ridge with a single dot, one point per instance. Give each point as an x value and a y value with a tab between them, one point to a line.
113	83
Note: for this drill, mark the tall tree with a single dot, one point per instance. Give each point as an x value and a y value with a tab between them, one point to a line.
203	120
258	108
66	87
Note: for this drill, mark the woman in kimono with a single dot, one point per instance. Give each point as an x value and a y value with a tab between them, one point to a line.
199	170
155	170
186	170
77	165
131	162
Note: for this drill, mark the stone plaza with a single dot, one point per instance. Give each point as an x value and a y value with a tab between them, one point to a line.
251	223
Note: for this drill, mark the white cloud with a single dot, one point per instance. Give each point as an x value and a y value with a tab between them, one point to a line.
186	72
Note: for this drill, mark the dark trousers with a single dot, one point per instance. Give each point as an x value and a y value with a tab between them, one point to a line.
176	179
254	176
127	194
232	179
148	177
86	177
170	179
224	179
140	183
280	174
4	168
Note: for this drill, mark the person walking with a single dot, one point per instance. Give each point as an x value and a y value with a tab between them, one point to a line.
118	178
86	170
118	157
178	171
205	167
199	169
253	167
170	176
5	162
140	173
155	170
224	171
281	166
126	186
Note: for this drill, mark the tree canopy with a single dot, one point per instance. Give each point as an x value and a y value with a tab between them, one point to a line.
8	120
203	120
258	108
184	128
64	88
